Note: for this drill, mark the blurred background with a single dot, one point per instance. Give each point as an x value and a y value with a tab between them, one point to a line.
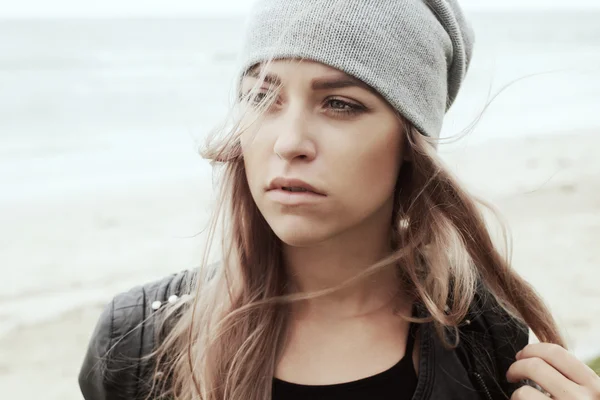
102	107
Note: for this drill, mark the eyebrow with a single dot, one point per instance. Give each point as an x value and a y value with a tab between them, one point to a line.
334	82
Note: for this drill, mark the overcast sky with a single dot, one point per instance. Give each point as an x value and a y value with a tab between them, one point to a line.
119	8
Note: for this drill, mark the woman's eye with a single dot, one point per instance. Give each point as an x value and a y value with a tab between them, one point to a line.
342	107
253	98
256	98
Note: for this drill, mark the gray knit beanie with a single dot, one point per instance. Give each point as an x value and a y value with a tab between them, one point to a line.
415	53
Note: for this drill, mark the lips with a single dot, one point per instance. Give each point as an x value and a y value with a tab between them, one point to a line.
292	185
295	189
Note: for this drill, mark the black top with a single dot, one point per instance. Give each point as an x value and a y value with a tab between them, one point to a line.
398	383
118	363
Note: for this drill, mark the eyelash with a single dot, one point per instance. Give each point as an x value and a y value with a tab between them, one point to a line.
351	110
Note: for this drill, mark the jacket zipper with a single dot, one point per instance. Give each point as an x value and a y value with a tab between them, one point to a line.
483	386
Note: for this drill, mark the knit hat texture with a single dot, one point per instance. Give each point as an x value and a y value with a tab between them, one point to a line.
415	53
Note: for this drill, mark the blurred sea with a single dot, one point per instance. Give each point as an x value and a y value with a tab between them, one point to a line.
75	94
91	106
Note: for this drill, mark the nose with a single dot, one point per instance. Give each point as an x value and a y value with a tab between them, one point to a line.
293	139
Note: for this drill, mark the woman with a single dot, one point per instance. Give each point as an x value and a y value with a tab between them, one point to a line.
354	266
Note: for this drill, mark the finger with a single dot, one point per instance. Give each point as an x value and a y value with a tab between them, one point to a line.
562	360
544	375
528	393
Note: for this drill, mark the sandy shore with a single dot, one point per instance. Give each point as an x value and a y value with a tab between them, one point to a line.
547	188
548	191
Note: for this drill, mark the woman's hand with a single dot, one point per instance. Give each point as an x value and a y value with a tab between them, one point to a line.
556	370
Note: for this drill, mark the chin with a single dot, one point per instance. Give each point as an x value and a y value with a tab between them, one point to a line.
301	233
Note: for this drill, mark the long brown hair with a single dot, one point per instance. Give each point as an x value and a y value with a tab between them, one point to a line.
229	333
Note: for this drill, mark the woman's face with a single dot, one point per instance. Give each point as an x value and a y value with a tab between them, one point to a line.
326	132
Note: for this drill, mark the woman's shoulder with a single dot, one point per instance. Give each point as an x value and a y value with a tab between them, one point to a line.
490	340
489	317
124	334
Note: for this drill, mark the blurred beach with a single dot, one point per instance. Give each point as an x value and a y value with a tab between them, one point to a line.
103	189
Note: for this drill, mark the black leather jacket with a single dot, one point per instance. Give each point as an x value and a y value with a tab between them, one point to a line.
113	369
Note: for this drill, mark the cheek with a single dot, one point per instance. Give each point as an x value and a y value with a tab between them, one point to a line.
257	153
254	149
253	174
374	171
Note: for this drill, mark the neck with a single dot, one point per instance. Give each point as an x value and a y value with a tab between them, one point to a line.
337	260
